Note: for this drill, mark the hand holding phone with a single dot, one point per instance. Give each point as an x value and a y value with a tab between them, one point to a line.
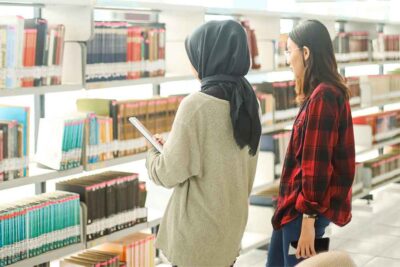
320	244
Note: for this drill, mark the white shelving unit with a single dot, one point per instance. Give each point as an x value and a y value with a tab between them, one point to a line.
115	162
42	175
50	256
119	234
180	21
40	90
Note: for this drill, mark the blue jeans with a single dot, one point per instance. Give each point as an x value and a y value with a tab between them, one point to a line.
278	248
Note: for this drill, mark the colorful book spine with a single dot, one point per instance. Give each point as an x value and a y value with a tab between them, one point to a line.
31	52
39	224
123	50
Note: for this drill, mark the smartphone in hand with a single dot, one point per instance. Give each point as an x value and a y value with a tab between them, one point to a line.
320	245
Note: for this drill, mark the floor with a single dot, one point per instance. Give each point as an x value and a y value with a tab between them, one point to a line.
372	238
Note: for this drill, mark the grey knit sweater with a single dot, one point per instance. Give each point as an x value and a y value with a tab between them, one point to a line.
211	177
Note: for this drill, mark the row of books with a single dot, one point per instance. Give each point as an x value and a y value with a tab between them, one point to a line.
39	224
64	149
351	46
114	200
122	139
101	130
277	143
135	250
281	95
386	47
382	85
382	124
31	52
99	138
383	164
14	142
123	50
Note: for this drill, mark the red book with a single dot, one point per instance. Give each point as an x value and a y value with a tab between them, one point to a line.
29	54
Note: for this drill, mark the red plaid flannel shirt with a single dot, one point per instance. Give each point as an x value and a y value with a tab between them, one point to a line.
319	166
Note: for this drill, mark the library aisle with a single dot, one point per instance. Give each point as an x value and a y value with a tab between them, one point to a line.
372	238
75	190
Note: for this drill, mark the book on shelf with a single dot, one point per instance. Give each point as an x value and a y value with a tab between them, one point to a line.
125	50
280	50
276	142
353	83
384	164
36	225
12	33
351	46
92	258
383	85
14	142
60	142
136	249
283	93
114	200
386	47
252	44
31	52
383	124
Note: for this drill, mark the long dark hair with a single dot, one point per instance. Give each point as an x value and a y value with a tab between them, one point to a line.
321	65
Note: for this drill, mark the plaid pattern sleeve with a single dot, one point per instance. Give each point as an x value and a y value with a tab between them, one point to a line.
320	138
319	167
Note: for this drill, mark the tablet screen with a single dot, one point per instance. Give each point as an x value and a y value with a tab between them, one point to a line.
145	133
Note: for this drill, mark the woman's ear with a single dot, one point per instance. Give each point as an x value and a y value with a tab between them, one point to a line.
306	53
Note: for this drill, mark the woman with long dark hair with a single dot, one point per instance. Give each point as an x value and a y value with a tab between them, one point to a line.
211	153
318	171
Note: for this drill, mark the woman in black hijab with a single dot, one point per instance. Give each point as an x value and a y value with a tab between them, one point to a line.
211	154
219	53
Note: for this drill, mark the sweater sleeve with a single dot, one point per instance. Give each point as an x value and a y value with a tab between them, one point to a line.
180	159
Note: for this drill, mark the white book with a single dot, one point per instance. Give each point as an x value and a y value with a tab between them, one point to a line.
50	142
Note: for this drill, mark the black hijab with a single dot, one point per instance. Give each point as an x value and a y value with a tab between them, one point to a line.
218	51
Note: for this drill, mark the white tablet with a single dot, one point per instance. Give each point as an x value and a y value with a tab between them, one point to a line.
143	130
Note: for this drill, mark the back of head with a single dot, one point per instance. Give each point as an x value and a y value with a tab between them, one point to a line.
219	52
321	65
328	259
219	47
